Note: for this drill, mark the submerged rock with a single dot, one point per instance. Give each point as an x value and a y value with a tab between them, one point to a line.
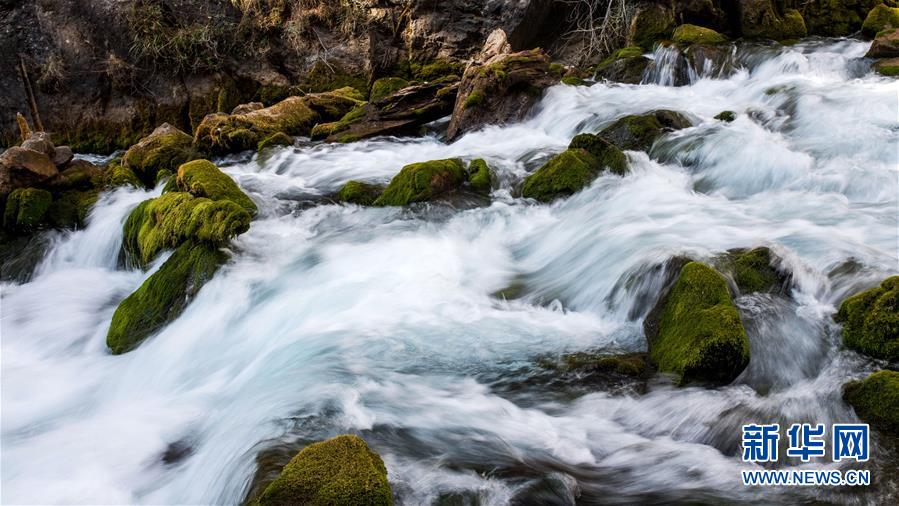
726	116
876	400
25	209
23	168
753	271
164	149
570	171
880	18
163	296
359	193
420	182
692	34
499	89
885	45
639	131
871	320
337	472
695	330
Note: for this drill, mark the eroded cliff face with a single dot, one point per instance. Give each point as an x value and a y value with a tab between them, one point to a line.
106	72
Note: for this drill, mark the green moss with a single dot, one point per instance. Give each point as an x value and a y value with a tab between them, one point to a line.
357	192
474	99
726	116
630	364
119	175
652	23
753	272
880	18
203	179
608	155
163	176
876	400
419	182
174	218
888	67
692	34
793	26
871	320
386	86
223	133
70	209
323	130
434	70
574	81
341	471
563	175
163	296
700	335
25	208
165	148
276	139
479	176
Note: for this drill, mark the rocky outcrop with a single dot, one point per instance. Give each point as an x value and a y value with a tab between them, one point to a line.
876	400
871	320
695	331
340	471
500	86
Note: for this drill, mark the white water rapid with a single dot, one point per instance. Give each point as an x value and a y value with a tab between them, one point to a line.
380	321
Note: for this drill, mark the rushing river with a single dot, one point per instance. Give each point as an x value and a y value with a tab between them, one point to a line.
381	321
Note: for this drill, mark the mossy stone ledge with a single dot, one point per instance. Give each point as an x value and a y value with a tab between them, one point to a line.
871	320
695	330
876	400
341	471
421	182
166	148
693	34
163	296
359	193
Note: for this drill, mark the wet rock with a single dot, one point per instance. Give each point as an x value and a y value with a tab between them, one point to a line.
165	148
70	209
25	209
23	168
386	86
876	400
62	155
421	182
80	174
695	330
880	18
359	193
570	171
834	18
602	364
639	131
163	296
201	178
888	67
761	19
626	65
651	22
277	139
119	175
871	320
885	45
692	34
339	471
480	177
726	116
757	270
500	89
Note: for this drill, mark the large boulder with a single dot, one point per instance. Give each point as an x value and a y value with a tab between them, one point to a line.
695	330
23	168
650	23
761	19
201	178
871	320
885	45
876	400
500	88
166	148
639	131
163	296
421	182
570	171
880	18
341	471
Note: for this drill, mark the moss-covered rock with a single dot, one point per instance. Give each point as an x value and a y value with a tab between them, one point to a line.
277	139
888	67
625	65
885	45
359	193
651	22
880	18
386	86
834	18
692	34
119	175
695	330
754	272
71	208
629	364
177	217
25	209
573	169
163	296
760	19
166	148
480	178
420	182
323	130
201	178
726	116
341	471
876	400
639	131
871	320
606	152
574	81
